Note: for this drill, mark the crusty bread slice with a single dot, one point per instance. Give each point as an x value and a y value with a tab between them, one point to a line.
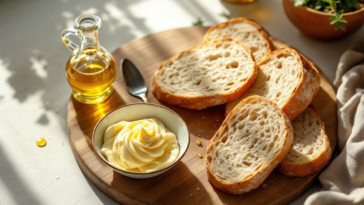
251	142
249	32
210	74
310	150
287	78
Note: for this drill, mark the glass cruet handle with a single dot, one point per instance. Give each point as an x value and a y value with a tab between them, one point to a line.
65	38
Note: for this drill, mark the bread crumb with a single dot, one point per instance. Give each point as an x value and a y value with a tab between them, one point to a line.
46	168
57	177
49	138
56	111
198	188
191	195
199	123
15	133
203	118
217	120
264	185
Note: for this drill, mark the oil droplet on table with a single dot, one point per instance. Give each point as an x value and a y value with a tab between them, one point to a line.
41	142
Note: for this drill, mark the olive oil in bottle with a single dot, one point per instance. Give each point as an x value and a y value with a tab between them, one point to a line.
91	70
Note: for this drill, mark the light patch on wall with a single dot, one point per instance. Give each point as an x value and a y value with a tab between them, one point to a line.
69	18
122	19
91	10
67	14
105	17
158	19
39	66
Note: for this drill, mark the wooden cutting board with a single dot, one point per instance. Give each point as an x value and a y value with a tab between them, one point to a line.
176	185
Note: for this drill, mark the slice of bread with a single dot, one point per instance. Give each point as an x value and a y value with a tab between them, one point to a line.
288	79
247	31
253	139
310	150
210	74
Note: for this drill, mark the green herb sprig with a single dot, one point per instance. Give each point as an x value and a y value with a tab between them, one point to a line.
338	20
228	16
199	22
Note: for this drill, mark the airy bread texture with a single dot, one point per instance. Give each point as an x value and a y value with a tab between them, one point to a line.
210	74
247	31
310	150
251	142
288	79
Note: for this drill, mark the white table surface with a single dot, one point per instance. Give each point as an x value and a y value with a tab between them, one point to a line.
33	84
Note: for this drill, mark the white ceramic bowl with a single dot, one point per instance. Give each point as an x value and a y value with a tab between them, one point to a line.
139	111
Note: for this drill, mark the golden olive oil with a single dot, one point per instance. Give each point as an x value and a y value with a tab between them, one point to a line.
41	142
91	75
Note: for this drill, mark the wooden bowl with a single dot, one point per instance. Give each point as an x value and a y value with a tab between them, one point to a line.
316	24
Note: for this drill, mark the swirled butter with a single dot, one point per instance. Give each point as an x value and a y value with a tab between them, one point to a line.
140	146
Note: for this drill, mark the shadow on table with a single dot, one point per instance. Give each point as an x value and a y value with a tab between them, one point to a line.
276	189
11	181
201	123
172	187
87	116
105	199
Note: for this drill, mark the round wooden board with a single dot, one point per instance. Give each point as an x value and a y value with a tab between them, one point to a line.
176	185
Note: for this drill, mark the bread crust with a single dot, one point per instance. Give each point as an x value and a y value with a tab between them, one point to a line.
261	30
256	180
313	166
305	91
204	101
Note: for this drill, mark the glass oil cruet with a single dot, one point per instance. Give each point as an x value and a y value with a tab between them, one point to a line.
91	69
